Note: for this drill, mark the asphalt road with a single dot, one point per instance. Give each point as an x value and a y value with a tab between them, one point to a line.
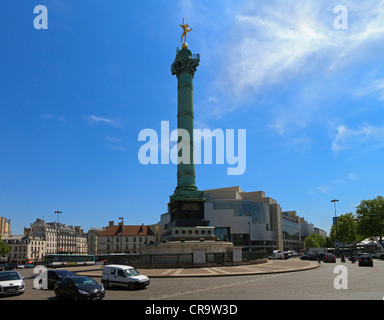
360	283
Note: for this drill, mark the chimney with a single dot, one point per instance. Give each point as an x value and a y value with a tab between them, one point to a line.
111	224
121	225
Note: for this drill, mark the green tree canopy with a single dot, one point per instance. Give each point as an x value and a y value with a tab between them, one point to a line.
370	217
4	248
314	240
347	229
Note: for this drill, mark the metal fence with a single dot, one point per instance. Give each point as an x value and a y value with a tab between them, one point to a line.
254	255
185	259
151	259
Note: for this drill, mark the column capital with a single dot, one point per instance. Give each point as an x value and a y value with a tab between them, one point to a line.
185	62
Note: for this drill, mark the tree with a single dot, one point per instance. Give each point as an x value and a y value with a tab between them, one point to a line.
4	248
347	229
314	240
370	217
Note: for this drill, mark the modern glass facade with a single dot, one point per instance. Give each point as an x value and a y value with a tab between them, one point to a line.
258	211
252	219
291	230
242	221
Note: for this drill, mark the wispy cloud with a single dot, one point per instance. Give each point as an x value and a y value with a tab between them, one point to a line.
335	184
374	88
366	138
266	45
50	116
275	42
97	120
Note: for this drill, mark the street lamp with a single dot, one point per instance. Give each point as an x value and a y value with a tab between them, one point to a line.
57	231
337	236
249	224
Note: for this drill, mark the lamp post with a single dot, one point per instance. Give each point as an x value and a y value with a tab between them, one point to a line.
57	231
249	225
337	236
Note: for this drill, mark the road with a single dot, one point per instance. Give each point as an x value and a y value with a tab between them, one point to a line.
363	283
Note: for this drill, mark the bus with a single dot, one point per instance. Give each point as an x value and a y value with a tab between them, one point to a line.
67	260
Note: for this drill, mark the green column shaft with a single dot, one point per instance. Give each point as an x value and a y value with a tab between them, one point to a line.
184	67
185	120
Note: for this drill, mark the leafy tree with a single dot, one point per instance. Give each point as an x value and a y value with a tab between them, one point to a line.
370	217
347	229
4	248
314	240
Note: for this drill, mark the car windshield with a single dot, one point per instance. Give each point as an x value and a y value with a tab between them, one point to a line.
7	276
132	272
84	281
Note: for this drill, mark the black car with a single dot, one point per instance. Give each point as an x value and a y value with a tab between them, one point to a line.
79	288
57	275
313	257
305	257
11	266
365	260
329	258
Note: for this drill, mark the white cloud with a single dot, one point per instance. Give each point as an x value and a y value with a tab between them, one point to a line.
95	120
50	116
366	138
375	87
270	44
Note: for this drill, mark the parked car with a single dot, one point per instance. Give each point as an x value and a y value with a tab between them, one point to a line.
313	257
329	258
79	288
365	260
276	256
305	257
377	254
11	266
57	275
321	255
11	283
124	276
287	255
293	253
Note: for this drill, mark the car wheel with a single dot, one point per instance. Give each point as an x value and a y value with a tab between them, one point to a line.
131	286
57	294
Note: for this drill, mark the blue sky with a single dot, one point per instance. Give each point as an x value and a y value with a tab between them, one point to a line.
74	98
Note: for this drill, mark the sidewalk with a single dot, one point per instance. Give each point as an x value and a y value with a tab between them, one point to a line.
272	266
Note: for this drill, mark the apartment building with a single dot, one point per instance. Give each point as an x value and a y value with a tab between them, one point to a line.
123	238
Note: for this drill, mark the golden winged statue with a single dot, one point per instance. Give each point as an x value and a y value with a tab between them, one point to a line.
185	31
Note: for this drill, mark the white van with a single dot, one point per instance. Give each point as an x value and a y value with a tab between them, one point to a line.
124	276
276	255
